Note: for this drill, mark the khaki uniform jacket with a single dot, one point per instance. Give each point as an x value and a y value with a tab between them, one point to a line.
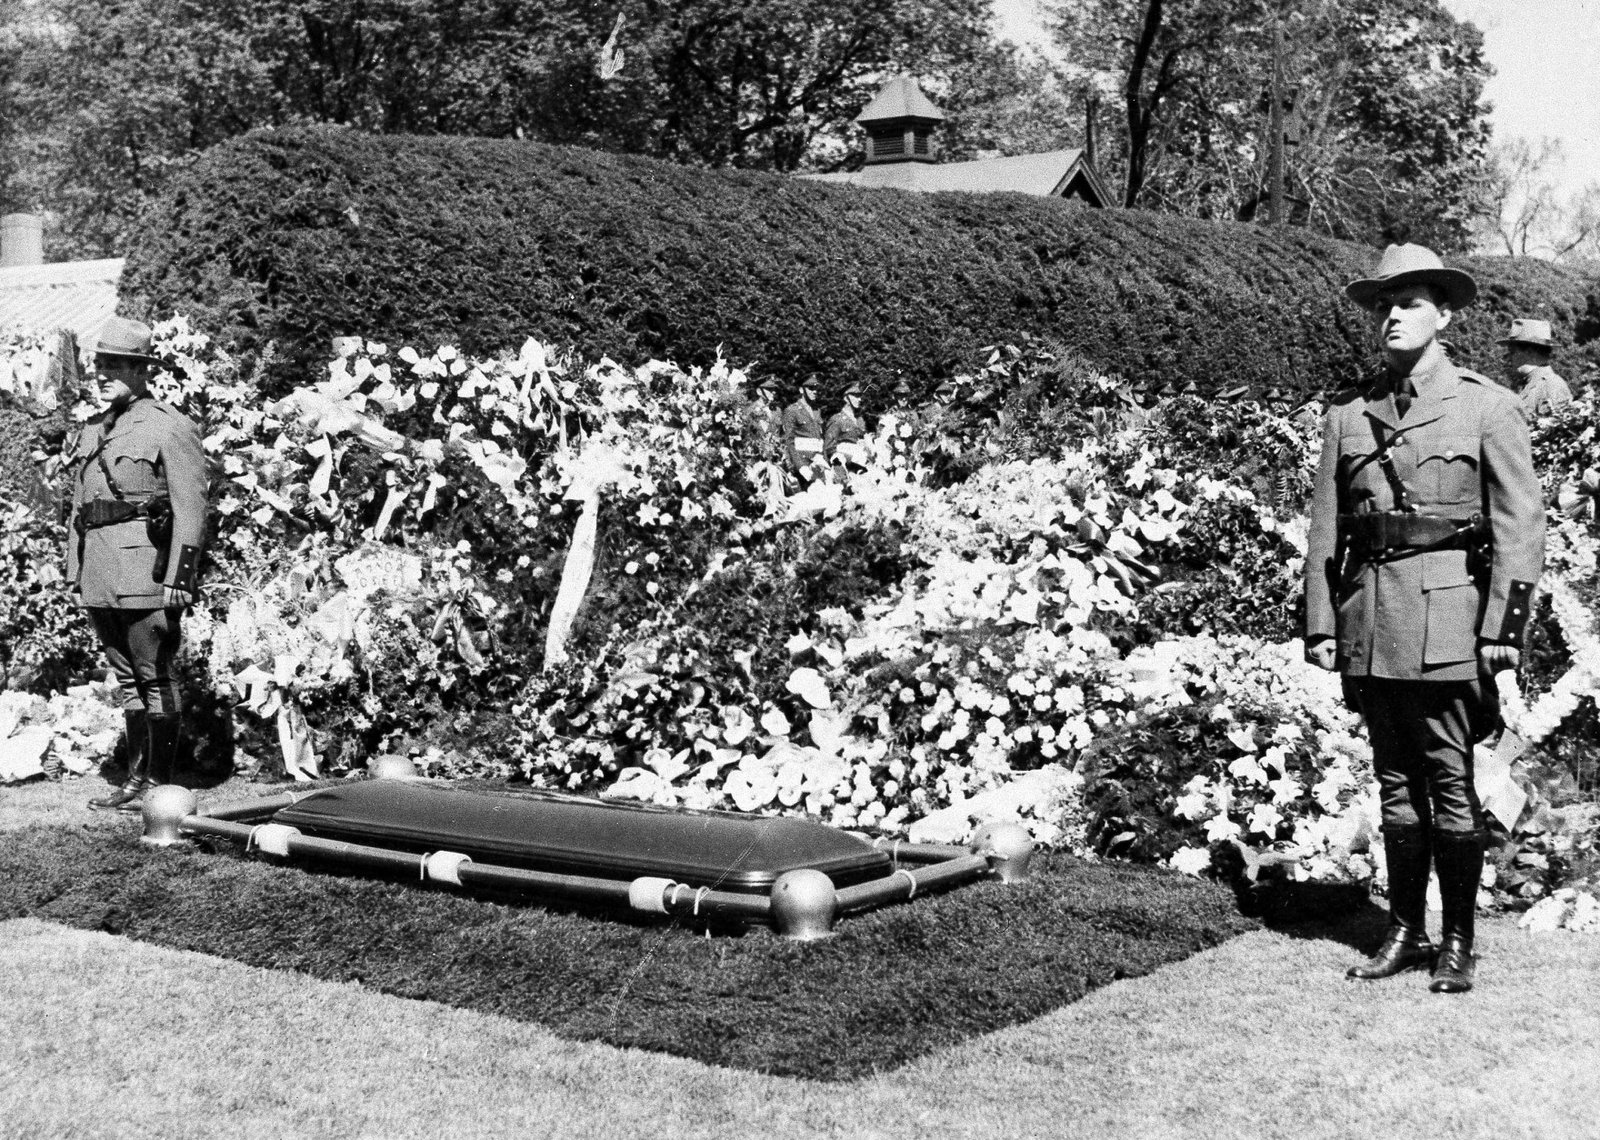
1461	450
1543	392
802	435
843	427
152	449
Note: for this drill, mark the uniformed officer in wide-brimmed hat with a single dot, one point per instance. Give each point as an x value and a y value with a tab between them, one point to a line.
138	490
1529	346
1426	540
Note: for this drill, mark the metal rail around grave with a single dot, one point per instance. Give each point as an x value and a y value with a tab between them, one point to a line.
714	868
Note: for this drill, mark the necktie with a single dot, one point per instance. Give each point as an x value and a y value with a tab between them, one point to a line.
1404	393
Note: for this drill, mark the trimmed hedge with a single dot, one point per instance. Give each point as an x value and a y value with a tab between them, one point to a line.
297	235
892	985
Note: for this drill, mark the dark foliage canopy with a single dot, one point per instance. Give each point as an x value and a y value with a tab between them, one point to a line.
295	236
102	104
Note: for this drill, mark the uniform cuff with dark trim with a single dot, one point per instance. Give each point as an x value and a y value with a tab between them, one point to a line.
187	572
1518	605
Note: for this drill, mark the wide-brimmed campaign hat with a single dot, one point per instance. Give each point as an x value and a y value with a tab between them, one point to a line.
1528	330
1403	265
126	338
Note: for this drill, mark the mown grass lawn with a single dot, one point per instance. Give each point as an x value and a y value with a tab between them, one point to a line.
1258	1036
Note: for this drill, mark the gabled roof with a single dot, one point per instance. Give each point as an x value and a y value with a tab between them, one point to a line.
1049	173
900	98
76	295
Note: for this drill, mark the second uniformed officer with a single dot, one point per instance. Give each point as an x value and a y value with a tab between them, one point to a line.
1426	539
842	436
137	527
1529	346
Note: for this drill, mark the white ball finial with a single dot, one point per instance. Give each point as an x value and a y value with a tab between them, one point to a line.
164	808
804	905
391	767
1007	846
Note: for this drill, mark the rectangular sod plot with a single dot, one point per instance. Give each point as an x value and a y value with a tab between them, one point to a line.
888	987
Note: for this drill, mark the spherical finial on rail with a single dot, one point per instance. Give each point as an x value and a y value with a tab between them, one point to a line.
804	905
163	809
1007	846
391	767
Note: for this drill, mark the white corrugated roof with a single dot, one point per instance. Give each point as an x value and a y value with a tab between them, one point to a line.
76	295
1046	173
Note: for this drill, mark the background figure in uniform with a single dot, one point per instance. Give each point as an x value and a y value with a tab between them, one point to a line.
1426	539
845	430
1528	372
137	493
766	400
802	434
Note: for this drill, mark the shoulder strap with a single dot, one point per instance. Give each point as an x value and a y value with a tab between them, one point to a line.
111	482
98	454
1385	457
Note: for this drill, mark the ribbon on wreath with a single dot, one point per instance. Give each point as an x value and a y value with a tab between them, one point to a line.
268	695
595	469
326	413
294	740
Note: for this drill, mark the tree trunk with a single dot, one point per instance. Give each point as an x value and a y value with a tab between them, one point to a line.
1138	115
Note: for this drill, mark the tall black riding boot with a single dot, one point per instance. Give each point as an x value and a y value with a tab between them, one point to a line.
138	778
1458	857
165	729
1405	946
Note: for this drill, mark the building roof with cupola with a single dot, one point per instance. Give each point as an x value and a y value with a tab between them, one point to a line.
900	155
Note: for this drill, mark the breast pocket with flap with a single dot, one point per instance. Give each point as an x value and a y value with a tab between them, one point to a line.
137	470
1448	470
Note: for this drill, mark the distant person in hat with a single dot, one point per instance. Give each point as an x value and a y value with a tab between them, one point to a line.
1529	346
841	438
801	428
137	489
765	399
1426	539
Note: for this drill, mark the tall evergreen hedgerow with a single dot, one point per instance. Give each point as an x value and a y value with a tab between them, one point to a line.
298	235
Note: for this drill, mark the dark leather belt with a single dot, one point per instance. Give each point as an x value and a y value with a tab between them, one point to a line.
108	512
1396	530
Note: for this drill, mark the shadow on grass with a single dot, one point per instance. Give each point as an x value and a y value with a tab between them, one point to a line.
891	985
205	750
1334	912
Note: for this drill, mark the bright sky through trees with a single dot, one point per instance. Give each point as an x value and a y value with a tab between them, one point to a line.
1546	54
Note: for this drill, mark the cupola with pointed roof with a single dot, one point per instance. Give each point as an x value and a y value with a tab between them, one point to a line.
899	123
